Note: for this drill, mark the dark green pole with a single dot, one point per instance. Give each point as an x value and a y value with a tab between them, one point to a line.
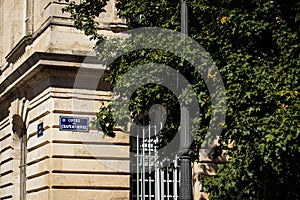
185	190
184	17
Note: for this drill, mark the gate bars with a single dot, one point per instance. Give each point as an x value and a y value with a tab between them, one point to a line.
151	181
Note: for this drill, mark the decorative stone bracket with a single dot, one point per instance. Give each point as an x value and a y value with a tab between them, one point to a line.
18	126
19	49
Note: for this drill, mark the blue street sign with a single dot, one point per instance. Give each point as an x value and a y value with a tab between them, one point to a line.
73	124
40	129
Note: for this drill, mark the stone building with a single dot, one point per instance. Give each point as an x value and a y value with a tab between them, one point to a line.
40	53
41	158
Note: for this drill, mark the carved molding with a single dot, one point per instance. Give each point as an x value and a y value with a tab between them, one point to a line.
19	49
38	65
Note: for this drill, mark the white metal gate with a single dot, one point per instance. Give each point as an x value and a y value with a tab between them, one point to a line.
149	180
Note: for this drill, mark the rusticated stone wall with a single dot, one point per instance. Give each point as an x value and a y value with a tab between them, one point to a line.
40	53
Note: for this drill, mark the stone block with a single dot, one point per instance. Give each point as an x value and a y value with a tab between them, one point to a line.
93	136
7	141
6	192
39	153
91	181
38	183
8	153
85	194
91	165
43	167
6	167
6	179
40	195
103	195
90	150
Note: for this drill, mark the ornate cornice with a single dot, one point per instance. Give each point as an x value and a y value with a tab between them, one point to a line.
27	40
36	64
19	49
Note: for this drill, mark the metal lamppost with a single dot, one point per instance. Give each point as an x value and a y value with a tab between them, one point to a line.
184	17
185	190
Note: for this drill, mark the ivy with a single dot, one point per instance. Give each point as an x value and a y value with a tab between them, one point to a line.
255	45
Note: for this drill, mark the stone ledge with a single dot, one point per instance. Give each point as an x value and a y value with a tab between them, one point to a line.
19	49
35	62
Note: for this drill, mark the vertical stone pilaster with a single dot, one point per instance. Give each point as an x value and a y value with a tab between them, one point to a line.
16	145
19	145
